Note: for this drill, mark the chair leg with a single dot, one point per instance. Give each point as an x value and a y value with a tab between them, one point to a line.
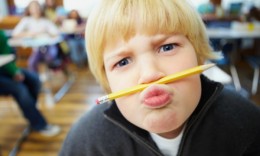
64	89
235	77
20	141
255	81
0	150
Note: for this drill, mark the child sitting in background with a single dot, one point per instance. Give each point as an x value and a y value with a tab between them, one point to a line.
134	42
33	25
25	87
76	40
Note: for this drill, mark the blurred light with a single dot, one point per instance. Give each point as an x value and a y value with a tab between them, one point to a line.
83	6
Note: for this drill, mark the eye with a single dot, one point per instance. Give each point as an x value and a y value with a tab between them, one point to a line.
123	62
168	47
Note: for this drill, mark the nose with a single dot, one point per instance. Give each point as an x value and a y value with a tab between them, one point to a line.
149	73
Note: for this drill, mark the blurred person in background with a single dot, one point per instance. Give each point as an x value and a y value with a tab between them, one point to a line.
34	25
53	12
212	13
24	86
254	14
76	40
211	10
57	14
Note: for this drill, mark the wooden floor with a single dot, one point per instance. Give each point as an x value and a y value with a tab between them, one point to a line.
77	101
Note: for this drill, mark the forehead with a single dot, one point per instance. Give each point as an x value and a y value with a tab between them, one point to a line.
34	4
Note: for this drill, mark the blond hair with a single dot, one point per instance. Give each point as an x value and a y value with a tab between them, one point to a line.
121	19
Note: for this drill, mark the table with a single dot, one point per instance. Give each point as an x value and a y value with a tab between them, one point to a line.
234	33
235	30
34	42
228	33
4	59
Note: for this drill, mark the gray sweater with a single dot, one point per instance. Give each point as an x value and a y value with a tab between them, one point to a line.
223	124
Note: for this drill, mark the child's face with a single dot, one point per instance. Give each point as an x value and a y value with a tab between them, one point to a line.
161	109
35	9
73	15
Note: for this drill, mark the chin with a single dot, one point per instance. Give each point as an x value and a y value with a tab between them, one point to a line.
160	130
161	127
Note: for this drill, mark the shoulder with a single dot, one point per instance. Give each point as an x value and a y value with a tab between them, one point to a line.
236	117
93	133
26	19
233	108
231	98
91	122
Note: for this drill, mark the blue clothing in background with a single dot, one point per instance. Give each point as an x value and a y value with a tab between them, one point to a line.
77	50
25	93
76	42
206	8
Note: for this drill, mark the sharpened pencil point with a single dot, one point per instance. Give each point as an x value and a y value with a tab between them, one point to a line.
206	66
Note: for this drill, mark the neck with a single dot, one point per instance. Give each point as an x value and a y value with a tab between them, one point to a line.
172	134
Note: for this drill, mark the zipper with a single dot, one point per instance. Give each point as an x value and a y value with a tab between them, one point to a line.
203	111
137	138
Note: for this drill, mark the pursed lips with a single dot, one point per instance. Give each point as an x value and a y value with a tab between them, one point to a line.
156	96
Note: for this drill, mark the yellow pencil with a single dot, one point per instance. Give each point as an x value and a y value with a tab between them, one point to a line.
164	80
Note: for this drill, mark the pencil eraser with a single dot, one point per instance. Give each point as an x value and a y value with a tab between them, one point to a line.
97	101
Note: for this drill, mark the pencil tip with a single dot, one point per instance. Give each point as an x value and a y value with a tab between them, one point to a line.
207	66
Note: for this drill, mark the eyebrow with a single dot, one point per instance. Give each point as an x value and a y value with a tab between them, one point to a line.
159	39
117	53
162	38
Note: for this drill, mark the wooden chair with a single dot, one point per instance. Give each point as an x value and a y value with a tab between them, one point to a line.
22	56
61	63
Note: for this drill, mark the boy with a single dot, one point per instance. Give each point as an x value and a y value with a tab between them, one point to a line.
135	42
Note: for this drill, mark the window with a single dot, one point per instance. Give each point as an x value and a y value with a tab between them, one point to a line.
247	4
83	6
3	9
196	3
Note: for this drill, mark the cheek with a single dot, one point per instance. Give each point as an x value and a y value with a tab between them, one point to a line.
130	109
113	81
124	106
189	92
112	85
190	56
190	59
117	83
122	80
182	61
